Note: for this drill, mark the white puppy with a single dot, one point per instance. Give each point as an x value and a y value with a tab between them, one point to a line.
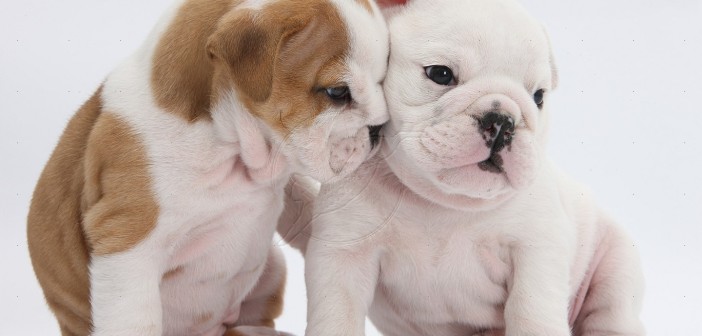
156	213
462	226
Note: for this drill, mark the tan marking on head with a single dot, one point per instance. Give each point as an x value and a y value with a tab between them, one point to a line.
120	208
57	244
181	77
173	273
280	58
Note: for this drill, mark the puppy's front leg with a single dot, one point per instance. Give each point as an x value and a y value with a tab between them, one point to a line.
124	294
265	302
537	304
341	283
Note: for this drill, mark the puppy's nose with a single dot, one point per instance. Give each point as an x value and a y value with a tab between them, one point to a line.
497	130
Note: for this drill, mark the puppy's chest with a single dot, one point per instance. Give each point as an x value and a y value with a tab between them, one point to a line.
215	222
446	273
215	261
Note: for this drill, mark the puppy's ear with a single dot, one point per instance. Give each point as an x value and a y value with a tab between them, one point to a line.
248	48
249	40
552	60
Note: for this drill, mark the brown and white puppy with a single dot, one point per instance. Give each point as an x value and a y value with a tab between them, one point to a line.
156	212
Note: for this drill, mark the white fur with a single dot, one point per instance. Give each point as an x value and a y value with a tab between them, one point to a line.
219	186
426	243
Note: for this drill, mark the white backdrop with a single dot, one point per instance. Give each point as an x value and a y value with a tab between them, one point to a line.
626	121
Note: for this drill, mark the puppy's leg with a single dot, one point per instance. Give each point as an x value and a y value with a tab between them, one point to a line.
340	282
613	300
265	302
537	304
125	295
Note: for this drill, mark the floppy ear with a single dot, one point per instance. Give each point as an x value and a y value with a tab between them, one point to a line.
247	40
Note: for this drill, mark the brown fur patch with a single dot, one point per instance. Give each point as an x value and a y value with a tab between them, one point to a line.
57	245
120	207
93	197
182	73
300	48
279	63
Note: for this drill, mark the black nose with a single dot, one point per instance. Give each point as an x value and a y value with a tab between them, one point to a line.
374	133
497	130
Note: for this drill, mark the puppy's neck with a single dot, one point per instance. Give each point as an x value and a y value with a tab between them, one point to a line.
259	149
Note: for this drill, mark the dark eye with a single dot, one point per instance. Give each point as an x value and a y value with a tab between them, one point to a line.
440	74
339	94
539	97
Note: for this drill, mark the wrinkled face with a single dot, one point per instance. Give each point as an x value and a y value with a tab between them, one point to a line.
467	86
311	71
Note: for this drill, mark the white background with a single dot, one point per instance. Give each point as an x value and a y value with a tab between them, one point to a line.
626	121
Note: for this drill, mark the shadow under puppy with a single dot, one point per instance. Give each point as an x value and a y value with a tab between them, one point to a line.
461	225
156	212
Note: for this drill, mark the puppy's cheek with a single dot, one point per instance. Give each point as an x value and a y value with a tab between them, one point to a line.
308	146
452	143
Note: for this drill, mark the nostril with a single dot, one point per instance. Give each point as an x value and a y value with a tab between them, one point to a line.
497	129
491	130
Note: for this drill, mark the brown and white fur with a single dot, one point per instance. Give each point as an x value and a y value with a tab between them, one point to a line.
156	212
461	225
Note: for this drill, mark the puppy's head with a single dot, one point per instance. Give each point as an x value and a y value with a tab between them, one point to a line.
310	72
467	90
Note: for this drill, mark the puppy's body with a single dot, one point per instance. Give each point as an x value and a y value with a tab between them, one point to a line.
420	268
155	214
462	226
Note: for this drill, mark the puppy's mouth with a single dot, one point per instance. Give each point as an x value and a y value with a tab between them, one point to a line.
374	135
493	164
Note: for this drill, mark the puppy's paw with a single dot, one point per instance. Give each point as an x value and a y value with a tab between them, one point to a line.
255	331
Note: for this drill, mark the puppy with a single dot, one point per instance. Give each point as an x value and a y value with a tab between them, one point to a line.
461	225
156	212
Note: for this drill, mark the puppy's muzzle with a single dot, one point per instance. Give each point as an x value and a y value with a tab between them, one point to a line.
497	130
374	134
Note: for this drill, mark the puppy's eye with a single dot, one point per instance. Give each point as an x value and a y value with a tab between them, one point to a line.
539	98
339	94
440	74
